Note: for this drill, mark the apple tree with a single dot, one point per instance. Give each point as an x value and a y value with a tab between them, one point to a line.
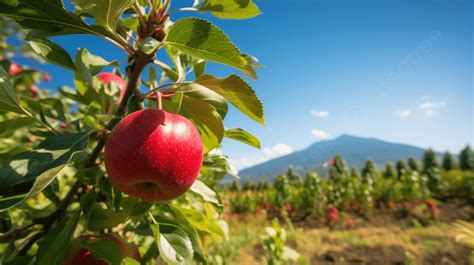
120	168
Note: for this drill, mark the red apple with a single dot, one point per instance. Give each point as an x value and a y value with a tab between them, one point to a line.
14	69
47	77
81	256
108	78
34	91
154	155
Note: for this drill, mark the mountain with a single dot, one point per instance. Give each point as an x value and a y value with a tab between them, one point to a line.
355	150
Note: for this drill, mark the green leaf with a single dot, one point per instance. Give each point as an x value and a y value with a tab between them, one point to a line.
130	23
171	74
230	9
201	39
149	45
203	93
104	249
129	261
104	218
206	119
106	12
242	136
204	191
30	172
237	92
51	19
50	16
93	64
201	222
135	207
188	228
15	124
199	69
8	97
89	65
101	218
173	243
55	244
52	53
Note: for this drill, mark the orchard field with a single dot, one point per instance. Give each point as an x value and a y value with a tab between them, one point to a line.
408	213
114	117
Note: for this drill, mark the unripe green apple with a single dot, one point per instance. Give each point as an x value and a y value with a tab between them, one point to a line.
154	155
81	256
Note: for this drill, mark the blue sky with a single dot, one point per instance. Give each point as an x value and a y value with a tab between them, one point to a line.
395	70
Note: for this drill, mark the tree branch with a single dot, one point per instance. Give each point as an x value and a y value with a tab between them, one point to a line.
133	72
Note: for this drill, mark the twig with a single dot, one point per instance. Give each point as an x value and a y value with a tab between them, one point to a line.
14	232
30	243
163	86
181	10
139	14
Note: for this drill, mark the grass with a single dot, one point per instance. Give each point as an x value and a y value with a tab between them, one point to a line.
414	245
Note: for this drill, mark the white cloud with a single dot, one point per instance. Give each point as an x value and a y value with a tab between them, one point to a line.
319	113
278	150
242	163
430	108
430	112
431	105
268	153
320	134
405	113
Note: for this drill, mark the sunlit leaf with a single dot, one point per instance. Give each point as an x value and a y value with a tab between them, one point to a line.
173	243
236	91
52	53
242	136
230	9
207	120
105	12
149	45
204	191
8	97
30	172
201	39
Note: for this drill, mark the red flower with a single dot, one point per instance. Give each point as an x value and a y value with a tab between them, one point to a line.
288	208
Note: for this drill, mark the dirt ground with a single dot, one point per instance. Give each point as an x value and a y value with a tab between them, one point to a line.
434	245
382	239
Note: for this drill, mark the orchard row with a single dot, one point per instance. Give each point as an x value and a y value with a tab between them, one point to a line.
361	193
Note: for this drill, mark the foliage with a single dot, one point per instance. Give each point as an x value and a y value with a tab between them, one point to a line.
277	252
351	194
53	184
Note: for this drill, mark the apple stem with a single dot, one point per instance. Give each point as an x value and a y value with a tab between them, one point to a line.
159	101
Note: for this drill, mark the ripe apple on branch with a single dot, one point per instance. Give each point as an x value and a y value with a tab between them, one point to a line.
61	194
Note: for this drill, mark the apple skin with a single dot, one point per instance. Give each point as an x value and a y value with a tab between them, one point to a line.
34	91
108	78
81	256
154	155
14	69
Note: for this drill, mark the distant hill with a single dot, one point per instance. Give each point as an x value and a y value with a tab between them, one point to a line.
355	150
